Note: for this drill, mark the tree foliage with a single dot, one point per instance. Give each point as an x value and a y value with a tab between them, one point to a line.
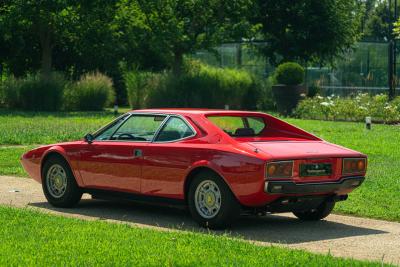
309	30
32	29
181	27
378	25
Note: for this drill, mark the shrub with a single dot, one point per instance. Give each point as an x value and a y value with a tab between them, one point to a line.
139	85
289	73
313	90
396	103
34	92
266	100
350	108
94	91
205	86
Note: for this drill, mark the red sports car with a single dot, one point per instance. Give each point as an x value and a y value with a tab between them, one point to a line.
219	163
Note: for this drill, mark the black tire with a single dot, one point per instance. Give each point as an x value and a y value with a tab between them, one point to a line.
316	214
229	207
72	193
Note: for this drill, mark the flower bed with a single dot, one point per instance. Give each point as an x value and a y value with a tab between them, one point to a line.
350	108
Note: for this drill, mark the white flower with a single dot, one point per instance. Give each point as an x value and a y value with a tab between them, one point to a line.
319	97
326	104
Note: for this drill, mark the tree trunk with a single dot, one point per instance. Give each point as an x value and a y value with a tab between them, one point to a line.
178	64
47	51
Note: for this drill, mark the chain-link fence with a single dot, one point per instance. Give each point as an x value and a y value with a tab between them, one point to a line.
363	69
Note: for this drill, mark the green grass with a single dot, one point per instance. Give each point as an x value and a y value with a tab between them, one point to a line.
9	160
378	197
23	128
30	238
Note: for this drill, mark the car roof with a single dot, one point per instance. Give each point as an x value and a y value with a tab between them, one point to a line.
197	111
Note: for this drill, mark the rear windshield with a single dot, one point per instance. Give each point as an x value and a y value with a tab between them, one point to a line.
238	126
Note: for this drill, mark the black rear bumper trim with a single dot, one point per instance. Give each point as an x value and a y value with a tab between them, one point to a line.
287	187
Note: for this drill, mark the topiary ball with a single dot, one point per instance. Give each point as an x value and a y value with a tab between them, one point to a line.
289	73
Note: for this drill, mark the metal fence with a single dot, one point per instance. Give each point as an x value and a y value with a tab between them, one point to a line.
363	69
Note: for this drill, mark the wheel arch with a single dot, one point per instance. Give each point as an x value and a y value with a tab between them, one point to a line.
199	169
60	153
49	154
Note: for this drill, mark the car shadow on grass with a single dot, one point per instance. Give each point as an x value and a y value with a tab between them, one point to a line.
269	228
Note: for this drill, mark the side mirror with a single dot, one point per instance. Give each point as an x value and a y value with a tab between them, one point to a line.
89	138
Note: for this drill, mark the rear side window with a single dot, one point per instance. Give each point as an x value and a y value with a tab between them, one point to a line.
239	126
173	130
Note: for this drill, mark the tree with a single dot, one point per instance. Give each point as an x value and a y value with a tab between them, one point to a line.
309	30
38	26
179	27
366	9
377	26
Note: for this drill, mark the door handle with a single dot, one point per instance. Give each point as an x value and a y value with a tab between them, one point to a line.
137	153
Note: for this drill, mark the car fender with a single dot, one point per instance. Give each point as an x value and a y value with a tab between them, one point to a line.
61	151
212	167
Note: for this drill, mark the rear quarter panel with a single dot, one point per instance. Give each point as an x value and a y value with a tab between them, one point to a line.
167	167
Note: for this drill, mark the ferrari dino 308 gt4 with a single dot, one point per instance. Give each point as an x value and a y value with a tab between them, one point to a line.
218	163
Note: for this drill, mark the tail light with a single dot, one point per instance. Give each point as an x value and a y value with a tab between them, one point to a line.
280	169
354	165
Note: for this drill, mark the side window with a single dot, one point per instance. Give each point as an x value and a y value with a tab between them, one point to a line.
140	128
256	123
174	129
106	133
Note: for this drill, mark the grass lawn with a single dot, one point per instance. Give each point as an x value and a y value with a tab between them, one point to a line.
24	128
378	197
30	238
9	160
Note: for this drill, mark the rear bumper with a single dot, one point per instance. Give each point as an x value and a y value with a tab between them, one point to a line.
287	187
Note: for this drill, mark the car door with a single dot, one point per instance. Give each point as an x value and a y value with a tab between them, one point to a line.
114	159
167	159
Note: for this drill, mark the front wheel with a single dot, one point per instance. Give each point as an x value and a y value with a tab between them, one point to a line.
316	214
211	202
58	183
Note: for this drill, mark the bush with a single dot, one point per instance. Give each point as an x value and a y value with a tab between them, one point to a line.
34	92
94	91
289	73
266	100
204	86
350	109
139	85
313	90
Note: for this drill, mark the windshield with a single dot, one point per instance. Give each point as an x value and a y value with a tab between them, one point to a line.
239	126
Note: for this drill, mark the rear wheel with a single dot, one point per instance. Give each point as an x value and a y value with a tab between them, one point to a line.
316	214
59	184
211	202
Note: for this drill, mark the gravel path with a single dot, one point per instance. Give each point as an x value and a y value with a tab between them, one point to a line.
342	236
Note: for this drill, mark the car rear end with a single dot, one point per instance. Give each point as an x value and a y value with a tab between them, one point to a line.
339	175
306	184
303	173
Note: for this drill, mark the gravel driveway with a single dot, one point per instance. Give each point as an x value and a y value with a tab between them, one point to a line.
342	236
